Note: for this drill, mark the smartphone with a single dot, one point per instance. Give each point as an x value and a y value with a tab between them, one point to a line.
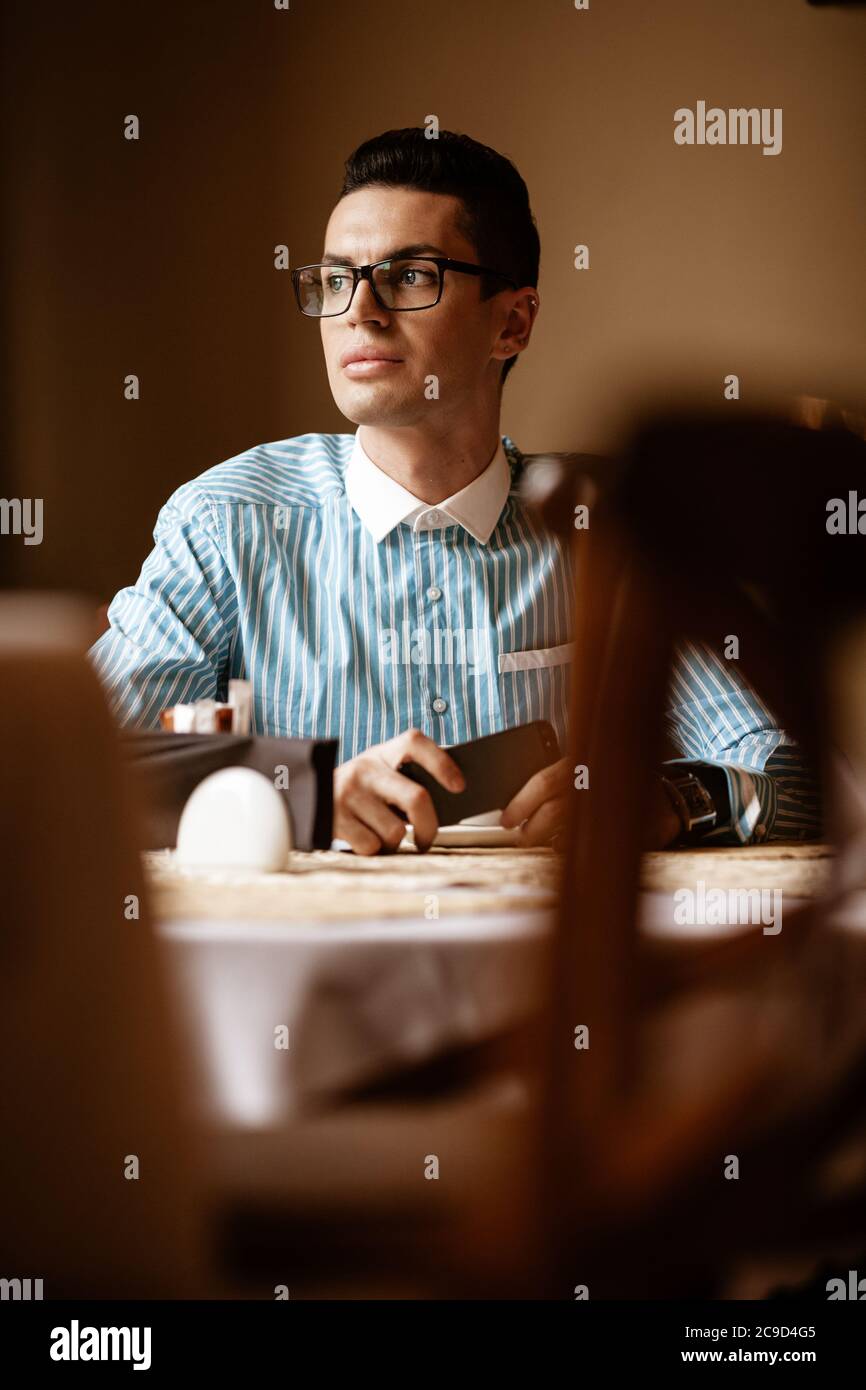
495	768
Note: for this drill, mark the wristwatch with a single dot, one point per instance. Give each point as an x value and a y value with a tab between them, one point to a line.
692	802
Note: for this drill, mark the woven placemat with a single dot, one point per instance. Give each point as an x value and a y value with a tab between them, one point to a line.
330	886
798	870
327	885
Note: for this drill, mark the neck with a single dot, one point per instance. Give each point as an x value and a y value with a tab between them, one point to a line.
429	464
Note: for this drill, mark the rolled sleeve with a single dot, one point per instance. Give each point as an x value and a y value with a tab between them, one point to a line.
718	722
171	631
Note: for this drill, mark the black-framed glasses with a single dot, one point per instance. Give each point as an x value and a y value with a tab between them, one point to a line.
402	285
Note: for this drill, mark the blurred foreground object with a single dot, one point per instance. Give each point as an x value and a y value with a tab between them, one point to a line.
710	526
97	1171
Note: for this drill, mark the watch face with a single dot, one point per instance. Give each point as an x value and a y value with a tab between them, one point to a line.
693	801
698	800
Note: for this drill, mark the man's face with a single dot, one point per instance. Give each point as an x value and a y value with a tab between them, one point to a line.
459	341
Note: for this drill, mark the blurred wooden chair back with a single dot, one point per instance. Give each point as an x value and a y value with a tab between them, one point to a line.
98	1170
706	529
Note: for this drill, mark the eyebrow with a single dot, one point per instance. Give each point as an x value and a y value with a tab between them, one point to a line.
330	258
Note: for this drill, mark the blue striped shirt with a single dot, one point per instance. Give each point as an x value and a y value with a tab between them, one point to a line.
357	619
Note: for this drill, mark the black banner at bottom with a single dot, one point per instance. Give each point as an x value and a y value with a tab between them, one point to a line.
165	1339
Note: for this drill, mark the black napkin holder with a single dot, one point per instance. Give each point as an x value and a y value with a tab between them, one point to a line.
167	767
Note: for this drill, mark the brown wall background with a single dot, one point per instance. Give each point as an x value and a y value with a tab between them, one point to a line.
156	257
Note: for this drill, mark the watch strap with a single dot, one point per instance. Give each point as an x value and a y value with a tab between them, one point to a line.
691	800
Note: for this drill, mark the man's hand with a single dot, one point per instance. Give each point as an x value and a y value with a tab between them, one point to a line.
543	805
366	787
665	824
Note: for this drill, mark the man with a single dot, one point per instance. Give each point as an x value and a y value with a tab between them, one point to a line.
388	588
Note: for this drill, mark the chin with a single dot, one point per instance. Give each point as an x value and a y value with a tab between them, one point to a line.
371	406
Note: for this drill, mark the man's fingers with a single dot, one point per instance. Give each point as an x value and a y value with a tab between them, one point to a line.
390	788
372	811
362	839
368	792
548	819
413	801
550	782
418	748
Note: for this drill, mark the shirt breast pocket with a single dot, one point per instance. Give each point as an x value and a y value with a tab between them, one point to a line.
540	659
534	685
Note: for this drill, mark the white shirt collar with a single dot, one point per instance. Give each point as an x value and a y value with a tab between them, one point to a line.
382	503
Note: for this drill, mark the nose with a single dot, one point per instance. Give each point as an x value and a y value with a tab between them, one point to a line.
364	308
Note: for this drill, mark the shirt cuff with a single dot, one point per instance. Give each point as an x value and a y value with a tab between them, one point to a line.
745	801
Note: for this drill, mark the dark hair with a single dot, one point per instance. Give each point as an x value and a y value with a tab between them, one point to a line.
497	218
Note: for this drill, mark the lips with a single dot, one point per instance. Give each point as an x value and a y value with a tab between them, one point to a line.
367	354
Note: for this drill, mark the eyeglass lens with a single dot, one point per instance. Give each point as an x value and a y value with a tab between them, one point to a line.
404	284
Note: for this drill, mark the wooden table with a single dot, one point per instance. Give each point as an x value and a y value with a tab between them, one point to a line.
330	886
377	964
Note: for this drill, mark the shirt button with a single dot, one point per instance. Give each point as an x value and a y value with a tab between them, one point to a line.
433	592
440	705
434	518
760	832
